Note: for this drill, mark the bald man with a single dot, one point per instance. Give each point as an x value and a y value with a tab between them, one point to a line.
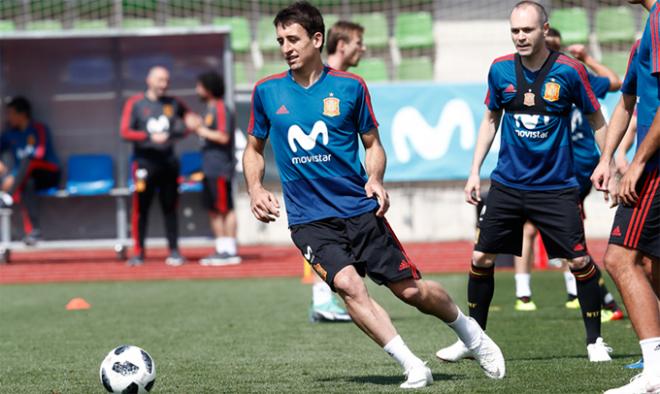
153	121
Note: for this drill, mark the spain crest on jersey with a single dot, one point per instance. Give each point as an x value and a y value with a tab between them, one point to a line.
168	110
331	106
551	91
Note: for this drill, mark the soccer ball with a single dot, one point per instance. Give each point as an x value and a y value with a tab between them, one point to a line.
128	369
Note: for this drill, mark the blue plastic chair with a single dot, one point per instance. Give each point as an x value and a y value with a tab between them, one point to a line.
89	175
191	162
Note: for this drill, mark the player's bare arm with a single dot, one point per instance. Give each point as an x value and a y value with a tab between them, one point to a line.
645	150
620	158
618	125
581	53
375	162
487	130
263	204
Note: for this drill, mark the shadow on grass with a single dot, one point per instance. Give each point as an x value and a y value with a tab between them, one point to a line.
385	380
551	357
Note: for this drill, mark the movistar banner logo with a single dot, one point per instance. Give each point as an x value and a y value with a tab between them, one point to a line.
526	126
297	137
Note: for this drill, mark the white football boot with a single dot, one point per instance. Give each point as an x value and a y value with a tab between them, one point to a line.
639	384
599	351
417	377
454	353
490	357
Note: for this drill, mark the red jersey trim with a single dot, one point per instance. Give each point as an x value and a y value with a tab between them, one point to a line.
125	130
345	74
582	72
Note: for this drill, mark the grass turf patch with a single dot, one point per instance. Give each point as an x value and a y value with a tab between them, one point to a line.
253	336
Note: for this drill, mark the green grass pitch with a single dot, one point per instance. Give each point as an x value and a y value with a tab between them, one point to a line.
253	336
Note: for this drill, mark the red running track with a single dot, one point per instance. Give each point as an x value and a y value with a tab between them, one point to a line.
258	261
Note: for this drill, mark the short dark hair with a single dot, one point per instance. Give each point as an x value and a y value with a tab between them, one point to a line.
213	83
21	105
304	14
552	32
543	14
341	31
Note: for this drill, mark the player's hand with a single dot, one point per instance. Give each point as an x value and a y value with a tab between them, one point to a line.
578	51
264	205
627	192
375	188
193	121
159	138
600	178
612	189
473	190
3	168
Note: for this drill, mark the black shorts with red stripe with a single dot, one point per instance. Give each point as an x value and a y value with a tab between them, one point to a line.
217	194
638	227
365	241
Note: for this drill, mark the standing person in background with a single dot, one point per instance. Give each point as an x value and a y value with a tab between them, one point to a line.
585	158
345	48
217	166
36	166
153	122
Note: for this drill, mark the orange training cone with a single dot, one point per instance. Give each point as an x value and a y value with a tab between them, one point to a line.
308	274
77	304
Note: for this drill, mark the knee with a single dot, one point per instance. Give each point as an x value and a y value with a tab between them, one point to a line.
579	262
410	295
481	259
349	284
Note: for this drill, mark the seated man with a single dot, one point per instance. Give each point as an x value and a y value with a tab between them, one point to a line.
35	165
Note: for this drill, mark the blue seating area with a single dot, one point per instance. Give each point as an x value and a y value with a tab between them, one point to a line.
89	175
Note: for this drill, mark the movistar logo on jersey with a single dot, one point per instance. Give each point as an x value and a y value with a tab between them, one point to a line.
526	125
298	138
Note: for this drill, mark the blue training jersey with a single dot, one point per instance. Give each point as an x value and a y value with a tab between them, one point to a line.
33	143
314	133
629	85
585	152
648	80
536	150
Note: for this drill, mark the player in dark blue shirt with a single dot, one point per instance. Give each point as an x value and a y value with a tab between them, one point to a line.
315	118
586	156
35	164
532	92
635	235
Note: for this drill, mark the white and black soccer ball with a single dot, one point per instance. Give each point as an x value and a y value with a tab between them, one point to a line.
128	369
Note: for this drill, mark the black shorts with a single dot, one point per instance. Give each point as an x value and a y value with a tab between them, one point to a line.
364	241
555	213
638	227
217	194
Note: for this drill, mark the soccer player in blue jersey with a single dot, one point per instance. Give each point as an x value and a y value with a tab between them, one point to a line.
345	48
315	117
585	156
635	232
35	164
532	93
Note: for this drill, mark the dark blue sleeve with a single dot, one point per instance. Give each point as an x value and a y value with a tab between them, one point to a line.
629	85
584	96
259	125
493	98
600	85
365	117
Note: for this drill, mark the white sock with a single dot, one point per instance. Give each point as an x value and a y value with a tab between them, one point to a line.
467	329
230	246
321	293
651	355
571	287
400	352
523	288
219	245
